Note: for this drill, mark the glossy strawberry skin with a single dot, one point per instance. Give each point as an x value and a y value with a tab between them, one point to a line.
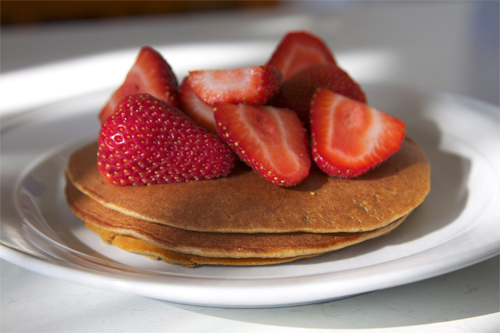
296	92
195	108
150	74
298	50
253	85
349	138
272	141
147	141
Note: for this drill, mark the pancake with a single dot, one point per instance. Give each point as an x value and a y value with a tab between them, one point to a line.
243	202
138	246
210	244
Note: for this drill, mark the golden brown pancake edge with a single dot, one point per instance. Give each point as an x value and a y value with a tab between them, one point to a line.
210	244
243	202
138	246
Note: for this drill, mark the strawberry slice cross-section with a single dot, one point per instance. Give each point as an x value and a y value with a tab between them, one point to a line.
195	108
298	50
253	85
150	74
273	141
348	137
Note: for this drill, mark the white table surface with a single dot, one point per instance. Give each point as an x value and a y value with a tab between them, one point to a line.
446	46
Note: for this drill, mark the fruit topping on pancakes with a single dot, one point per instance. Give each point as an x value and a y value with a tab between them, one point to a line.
262	119
296	92
150	74
195	108
298	50
147	141
348	137
253	85
273	141
301	125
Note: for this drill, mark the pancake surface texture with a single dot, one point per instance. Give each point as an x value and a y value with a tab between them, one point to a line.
243	202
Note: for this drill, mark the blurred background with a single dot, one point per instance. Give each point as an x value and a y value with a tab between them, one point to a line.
29	12
50	50
439	45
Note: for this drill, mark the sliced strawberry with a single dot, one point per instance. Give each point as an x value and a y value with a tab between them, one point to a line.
147	141
150	74
195	108
297	91
298	50
350	138
253	85
273	141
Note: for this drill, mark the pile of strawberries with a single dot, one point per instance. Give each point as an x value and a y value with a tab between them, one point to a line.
274	117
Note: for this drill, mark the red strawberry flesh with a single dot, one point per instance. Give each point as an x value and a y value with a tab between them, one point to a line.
298	50
272	141
253	85
195	108
147	141
350	138
297	91
150	74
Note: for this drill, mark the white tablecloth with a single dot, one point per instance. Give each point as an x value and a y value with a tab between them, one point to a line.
444	46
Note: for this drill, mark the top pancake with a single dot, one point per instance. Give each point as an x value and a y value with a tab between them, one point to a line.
245	202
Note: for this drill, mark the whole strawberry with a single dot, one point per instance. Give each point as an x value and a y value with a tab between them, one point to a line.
147	141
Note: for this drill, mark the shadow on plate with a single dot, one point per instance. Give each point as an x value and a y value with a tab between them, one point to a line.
469	293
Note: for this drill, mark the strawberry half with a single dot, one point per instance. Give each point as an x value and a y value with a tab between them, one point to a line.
253	85
298	50
150	74
272	141
350	138
147	141
195	108
297	91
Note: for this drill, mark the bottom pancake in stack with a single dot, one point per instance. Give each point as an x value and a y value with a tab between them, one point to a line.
192	248
242	219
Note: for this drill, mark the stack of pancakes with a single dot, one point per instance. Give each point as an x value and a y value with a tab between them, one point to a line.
242	219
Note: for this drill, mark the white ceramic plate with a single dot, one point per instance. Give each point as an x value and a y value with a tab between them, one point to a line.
455	227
